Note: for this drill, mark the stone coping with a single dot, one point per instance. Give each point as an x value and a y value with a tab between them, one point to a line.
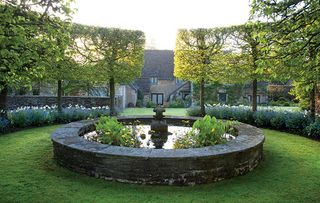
68	135
157	166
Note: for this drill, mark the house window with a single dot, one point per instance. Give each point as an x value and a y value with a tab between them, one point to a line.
178	81
157	98
222	97
250	98
154	80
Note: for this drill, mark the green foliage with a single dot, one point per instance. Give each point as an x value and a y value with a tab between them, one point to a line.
4	124
177	103
26	157
292	121
278	121
313	130
193	111
280	92
39	116
111	52
139	103
246	60
196	54
235	93
281	102
205	132
111	55
30	32
302	93
150	104
113	132
295	42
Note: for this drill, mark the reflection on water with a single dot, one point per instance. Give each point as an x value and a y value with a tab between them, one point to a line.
143	133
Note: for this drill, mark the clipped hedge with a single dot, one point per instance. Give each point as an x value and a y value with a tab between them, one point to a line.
39	116
292	121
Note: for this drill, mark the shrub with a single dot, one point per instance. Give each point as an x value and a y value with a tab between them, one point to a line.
187	101
205	132
177	103
115	133
278	121
18	119
240	113
313	130
139	103
150	104
193	111
262	118
4	124
37	116
294	121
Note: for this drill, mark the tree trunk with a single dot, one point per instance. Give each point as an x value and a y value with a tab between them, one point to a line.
202	107
254	95
36	88
59	96
3	101
313	100
112	96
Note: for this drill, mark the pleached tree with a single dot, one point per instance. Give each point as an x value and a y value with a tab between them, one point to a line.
296	36
196	56
29	31
114	55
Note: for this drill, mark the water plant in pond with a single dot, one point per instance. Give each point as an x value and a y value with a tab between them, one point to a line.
206	132
113	132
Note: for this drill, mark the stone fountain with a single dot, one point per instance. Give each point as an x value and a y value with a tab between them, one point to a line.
157	166
159	128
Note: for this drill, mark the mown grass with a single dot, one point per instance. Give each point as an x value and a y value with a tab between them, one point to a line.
290	172
149	111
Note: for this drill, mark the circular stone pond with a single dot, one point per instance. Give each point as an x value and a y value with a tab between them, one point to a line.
157	166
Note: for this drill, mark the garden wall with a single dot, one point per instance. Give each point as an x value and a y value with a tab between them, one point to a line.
14	102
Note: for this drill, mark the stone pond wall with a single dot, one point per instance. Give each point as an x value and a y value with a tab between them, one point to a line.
14	102
157	166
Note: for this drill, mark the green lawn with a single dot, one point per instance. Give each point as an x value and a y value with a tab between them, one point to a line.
290	172
149	111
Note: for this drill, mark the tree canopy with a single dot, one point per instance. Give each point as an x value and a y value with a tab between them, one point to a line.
196	56
30	30
296	36
247	60
115	55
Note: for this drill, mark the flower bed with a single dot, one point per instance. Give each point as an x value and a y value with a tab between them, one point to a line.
288	120
39	116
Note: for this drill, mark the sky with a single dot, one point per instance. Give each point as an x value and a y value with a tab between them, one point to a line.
161	19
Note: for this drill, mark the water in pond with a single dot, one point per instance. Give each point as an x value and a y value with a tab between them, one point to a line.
143	134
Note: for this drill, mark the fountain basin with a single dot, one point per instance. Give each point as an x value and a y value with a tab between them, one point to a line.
157	166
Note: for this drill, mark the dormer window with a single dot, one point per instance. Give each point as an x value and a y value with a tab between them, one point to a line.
154	80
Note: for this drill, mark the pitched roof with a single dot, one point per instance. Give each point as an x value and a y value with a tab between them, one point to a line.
158	63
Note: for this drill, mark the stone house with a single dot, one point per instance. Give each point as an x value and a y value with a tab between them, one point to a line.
157	82
232	94
262	92
126	94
